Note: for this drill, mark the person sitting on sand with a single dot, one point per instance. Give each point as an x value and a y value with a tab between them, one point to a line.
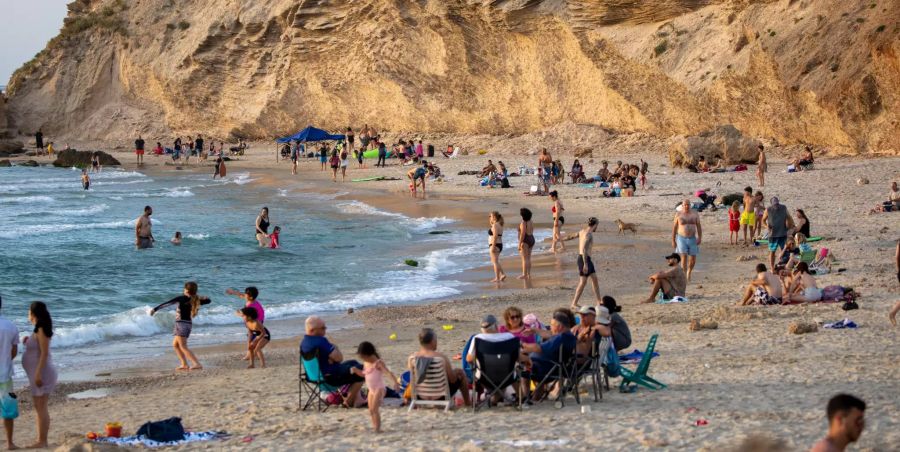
621	334
846	421
488	169
671	283
514	323
702	165
591	326
177	239
789	257
765	289
490	333
577	172
259	337
604	173
893	202
456	378
805	159
335	370
546	353
802	287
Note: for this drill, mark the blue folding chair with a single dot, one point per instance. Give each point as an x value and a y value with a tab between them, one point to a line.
312	379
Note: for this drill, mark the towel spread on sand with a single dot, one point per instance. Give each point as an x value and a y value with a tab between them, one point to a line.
841	324
634	357
189	437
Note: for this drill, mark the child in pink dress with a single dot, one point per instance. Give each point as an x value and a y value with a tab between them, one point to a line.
373	370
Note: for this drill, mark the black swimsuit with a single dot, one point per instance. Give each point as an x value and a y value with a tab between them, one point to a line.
255	334
498	245
263	227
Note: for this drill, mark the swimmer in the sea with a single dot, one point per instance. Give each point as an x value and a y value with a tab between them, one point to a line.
273	238
85	180
177	239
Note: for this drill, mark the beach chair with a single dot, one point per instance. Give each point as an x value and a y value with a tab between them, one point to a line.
467	366
808	256
561	372
496	368
593	367
639	376
312	379
430	386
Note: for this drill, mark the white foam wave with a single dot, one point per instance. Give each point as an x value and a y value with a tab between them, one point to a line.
282	192
420	224
57	228
241	179
92	210
134	322
197	236
27	199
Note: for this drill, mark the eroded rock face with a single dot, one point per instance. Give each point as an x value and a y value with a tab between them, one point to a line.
82	159
822	72
722	143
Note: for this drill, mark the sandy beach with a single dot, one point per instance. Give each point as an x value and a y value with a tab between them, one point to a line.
759	387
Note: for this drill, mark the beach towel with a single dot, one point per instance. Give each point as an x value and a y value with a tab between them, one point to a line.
422	365
634	357
676	299
841	324
136	440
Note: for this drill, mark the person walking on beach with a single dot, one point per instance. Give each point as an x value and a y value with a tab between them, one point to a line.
187	307
558	222
350	139
295	149
846	421
495	244
139	150
143	230
585	264
779	222
262	227
382	154
198	145
39	368
526	242
545	169
39	141
345	162
761	167
334	162
9	348
686	236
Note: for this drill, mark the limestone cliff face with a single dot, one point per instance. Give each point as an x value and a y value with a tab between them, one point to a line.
820	71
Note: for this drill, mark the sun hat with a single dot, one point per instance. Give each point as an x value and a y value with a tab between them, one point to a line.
585	310
603	315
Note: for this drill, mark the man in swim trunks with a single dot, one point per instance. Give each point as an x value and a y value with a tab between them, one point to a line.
779	222
139	150
585	264
687	236
748	215
545	166
765	289
672	282
143	230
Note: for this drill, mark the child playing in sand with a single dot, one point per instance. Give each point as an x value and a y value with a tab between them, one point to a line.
249	296
259	336
273	238
373	370
734	222
177	239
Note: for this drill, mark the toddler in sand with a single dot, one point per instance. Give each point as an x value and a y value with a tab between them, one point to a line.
373	370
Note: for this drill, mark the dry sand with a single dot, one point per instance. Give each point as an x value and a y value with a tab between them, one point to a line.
756	384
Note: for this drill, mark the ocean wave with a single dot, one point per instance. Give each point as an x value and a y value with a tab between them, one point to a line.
20	231
27	199
240	179
420	224
135	323
197	236
86	212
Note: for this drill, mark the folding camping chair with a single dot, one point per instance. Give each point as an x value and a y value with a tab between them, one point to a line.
430	386
496	368
312	379
593	367
639	376
562	370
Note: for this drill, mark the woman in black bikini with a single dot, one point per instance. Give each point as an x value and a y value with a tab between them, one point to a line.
262	227
526	242
259	336
188	305
495	244
558	222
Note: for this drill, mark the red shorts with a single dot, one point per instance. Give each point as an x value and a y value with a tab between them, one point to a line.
139	151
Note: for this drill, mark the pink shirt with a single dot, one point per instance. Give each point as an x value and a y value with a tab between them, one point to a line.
260	312
419	150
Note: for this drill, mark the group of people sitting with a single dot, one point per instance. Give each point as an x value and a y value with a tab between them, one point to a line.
494	175
537	352
621	180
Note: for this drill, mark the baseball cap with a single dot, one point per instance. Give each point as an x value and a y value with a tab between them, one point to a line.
587	310
603	315
674	256
488	321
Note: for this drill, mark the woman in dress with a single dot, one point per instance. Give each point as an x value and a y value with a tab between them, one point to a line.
526	242
262	227
39	367
188	306
495	244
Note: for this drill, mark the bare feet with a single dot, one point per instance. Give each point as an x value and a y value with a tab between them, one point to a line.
11	446
197	367
521	277
502	277
181	369
251	366
649	300
495	280
37	446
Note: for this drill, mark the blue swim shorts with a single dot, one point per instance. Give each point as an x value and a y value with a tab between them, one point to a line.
686	245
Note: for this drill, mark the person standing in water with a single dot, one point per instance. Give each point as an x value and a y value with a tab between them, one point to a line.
526	242
585	264
40	369
95	162
187	306
139	150
495	244
262	227
686	236
143	230
85	180
558	222
220	168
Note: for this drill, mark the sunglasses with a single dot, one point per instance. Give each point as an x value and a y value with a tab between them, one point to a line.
515	317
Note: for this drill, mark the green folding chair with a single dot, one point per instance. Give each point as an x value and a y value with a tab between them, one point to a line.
808	256
639	376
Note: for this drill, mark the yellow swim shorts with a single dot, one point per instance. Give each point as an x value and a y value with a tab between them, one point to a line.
748	218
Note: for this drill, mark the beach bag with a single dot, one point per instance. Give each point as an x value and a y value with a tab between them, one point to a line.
164	431
9	406
613	367
832	293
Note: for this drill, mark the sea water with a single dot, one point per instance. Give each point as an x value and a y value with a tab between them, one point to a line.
74	250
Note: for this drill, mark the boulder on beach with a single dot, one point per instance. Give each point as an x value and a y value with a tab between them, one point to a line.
82	159
29	163
5	163
12	146
724	142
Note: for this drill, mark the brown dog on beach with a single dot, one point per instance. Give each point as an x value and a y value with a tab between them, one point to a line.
623	226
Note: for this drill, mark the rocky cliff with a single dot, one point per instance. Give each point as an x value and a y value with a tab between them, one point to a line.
825	72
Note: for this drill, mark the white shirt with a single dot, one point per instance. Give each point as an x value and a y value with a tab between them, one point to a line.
489	337
9	338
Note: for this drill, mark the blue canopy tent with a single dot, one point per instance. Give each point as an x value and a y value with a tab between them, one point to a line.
309	134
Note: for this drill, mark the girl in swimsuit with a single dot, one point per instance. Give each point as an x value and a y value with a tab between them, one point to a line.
495	244
188	306
558	222
373	371
526	242
259	334
345	162
335	163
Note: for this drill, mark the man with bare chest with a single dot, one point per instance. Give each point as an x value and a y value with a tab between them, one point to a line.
687	236
143	230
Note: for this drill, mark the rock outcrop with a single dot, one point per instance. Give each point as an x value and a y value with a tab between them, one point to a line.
722	143
82	159
824	72
5	163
